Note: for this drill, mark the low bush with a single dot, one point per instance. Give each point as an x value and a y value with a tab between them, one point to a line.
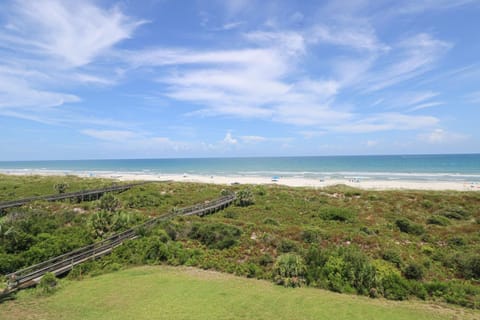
457	241
340	269
408	226
395	287
337	214
469	266
48	284
457	213
393	257
215	235
413	271
311	235
265	260
287	245
438	220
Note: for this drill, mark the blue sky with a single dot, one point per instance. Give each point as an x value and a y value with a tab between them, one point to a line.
178	78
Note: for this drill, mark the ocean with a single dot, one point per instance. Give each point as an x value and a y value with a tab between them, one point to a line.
452	167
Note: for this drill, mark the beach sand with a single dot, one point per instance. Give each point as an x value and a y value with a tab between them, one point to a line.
286	181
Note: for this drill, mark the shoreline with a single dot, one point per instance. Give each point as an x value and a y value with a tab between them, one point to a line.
366	184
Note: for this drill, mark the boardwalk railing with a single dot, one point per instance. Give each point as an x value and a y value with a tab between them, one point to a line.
30	276
69	195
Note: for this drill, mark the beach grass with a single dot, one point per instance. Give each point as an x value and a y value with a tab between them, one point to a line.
185	293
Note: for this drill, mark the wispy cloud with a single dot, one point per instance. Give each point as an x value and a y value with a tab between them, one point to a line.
426	105
410	58
363	38
48	44
441	136
387	121
110	135
74	33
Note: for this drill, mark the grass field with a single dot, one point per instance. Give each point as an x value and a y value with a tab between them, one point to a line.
186	293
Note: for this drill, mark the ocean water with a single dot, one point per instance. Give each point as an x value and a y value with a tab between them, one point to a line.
459	167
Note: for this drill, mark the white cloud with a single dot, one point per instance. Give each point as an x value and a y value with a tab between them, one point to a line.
16	93
257	82
48	44
387	121
440	136
231	25
411	57
134	141
229	140
426	105
110	135
290	43
410	100
70	31
355	37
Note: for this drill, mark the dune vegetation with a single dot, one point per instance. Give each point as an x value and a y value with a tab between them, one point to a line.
396	245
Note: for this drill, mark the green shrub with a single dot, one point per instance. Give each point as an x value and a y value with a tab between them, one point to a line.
438	220
408	226
287	245
48	284
144	201
265	260
427	204
469	266
260	190
156	250
418	289
311	235
460	293
395	287
215	235
109	202
337	214
457	213
340	269
289	270
413	271
393	257
457	241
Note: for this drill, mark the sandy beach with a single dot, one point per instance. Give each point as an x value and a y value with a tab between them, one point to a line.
369	184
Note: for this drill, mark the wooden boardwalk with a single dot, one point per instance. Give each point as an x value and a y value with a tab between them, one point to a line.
31	276
81	195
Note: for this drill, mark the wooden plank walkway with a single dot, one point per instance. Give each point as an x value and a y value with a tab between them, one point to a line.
84	194
32	275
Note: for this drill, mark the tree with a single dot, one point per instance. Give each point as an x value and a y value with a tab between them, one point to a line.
109	203
245	197
105	222
289	270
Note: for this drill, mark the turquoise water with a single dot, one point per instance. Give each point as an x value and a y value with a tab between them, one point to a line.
395	167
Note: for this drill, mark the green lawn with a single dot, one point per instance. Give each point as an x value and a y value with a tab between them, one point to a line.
187	293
